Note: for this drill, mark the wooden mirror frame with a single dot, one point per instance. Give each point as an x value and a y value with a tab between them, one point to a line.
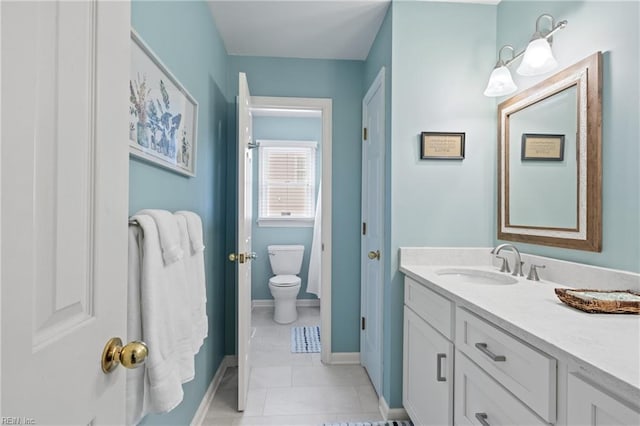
587	76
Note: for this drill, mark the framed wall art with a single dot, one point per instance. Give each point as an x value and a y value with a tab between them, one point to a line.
163	116
441	146
541	147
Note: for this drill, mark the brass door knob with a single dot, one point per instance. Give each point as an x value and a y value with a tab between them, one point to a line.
240	258
131	355
374	255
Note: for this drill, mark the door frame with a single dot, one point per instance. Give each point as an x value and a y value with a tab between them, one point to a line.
324	105
379	83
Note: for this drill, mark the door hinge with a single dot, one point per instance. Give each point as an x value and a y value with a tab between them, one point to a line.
364	228
365	134
362	323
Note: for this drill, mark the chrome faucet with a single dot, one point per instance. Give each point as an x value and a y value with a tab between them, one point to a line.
517	268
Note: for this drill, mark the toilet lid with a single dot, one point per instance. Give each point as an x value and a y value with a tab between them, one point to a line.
285	280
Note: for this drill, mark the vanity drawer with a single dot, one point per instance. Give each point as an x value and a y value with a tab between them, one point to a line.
525	371
430	306
480	399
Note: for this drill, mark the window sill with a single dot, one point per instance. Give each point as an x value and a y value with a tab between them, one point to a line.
285	223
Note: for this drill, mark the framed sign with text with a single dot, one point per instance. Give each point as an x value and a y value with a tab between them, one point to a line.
441	146
539	147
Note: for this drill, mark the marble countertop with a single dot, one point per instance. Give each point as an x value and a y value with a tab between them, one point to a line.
604	346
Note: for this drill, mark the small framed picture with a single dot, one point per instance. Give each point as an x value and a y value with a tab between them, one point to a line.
541	147
441	146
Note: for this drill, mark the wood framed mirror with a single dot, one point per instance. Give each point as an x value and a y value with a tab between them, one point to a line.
550	160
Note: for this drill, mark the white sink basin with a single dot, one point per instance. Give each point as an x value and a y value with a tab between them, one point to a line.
477	276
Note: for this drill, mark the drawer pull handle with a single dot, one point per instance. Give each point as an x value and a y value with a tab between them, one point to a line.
483	348
482	418
439	376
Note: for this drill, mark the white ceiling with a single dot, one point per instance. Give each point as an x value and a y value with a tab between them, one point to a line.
334	29
320	29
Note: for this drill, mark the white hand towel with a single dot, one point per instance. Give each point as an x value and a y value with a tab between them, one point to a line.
169	234
314	279
165	323
194	266
194	225
135	377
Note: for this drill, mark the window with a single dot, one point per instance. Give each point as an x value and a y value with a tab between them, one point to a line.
287	185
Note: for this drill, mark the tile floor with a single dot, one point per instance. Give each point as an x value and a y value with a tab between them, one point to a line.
289	388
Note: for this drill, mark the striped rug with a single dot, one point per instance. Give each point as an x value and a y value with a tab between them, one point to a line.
305	339
387	423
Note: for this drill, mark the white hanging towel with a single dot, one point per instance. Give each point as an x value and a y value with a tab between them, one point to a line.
135	377
164	318
190	226
315	259
169	234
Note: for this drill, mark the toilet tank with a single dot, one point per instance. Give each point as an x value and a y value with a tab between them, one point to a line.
285	260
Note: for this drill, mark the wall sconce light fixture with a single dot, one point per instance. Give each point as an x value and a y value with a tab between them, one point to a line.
500	82
538	59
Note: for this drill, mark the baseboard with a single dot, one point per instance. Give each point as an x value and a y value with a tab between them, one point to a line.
344	358
268	303
391	413
201	413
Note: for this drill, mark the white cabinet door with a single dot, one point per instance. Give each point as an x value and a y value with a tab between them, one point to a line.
65	67
588	405
427	390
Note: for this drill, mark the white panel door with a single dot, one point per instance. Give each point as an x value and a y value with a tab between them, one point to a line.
427	373
372	265
65	67
245	193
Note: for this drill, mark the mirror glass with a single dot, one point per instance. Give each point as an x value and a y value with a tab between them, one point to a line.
549	150
551	183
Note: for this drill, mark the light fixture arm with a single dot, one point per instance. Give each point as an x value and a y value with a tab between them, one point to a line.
548	35
501	62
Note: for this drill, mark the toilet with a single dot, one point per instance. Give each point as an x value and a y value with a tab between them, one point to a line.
286	262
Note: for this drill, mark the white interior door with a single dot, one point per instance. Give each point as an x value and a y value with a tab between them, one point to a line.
244	253
372	265
64	195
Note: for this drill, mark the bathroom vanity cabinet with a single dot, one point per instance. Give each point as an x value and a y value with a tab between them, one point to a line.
462	367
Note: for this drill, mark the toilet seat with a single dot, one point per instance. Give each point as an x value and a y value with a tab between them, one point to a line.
285	281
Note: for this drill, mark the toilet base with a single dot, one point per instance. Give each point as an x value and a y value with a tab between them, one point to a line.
285	311
284	299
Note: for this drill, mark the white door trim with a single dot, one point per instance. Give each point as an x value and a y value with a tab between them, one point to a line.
325	106
377	85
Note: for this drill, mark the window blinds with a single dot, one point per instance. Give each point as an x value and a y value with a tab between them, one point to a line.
287	179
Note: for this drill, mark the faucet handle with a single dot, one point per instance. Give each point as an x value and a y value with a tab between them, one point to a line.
505	264
533	272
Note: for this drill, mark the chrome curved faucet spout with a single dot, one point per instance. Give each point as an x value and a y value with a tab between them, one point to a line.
517	269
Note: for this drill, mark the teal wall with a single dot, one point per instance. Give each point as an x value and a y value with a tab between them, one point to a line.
341	81
185	39
281	128
440	52
610	27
